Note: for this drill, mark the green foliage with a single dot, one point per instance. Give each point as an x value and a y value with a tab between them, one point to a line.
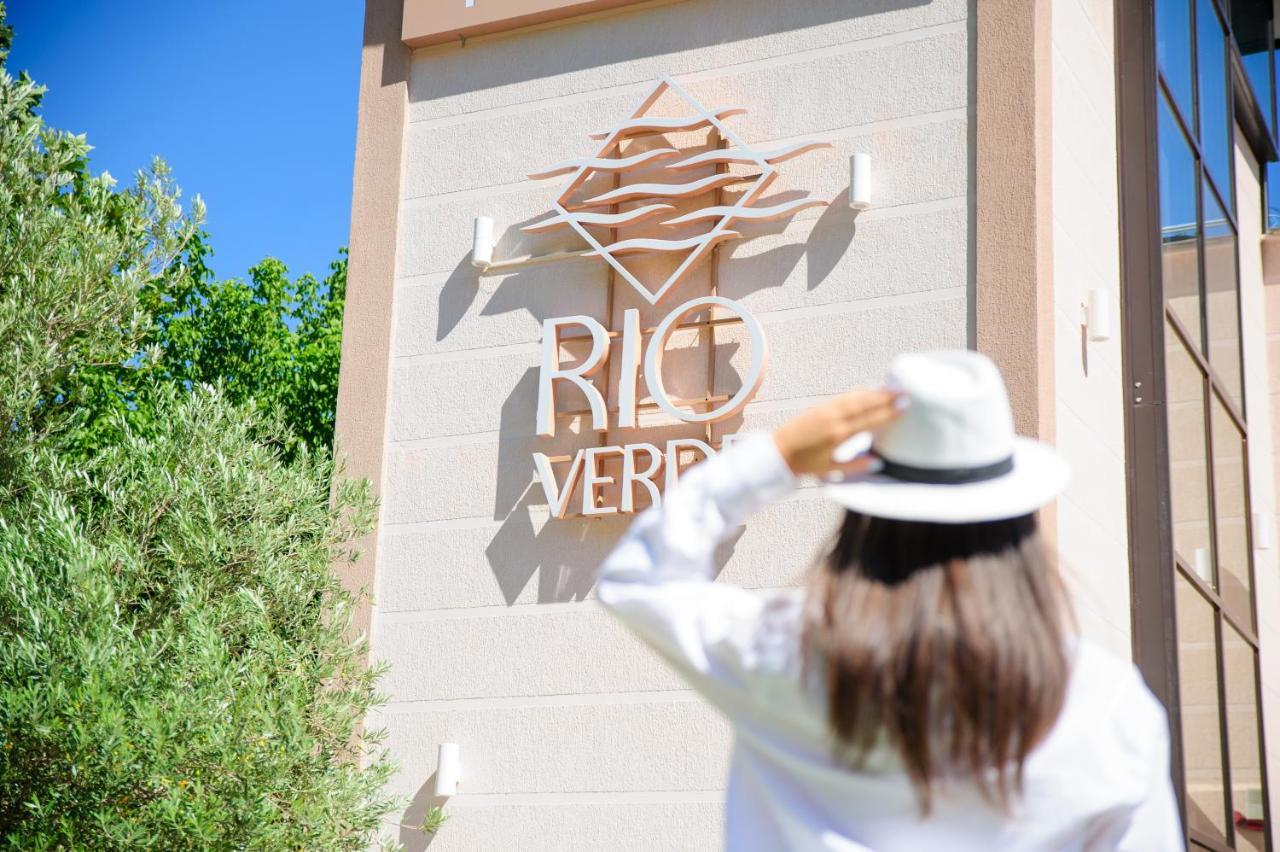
270	340
434	819
175	669
74	255
106	296
171	646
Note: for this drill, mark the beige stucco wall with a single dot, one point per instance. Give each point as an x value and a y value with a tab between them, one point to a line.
1089	398
1260	324
572	736
1263	472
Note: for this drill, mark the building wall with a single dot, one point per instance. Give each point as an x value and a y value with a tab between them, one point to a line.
1091	517
1263	470
1260	314
573	736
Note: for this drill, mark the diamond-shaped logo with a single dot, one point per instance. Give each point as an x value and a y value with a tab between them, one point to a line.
675	209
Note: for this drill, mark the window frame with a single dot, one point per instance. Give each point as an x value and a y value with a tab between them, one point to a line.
1155	568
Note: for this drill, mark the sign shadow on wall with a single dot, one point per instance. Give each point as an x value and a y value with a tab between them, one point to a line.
565	554
603	439
412	837
532	289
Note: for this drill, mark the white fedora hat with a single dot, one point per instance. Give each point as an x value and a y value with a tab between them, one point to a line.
952	457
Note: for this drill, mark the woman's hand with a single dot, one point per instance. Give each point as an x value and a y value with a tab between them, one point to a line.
809	440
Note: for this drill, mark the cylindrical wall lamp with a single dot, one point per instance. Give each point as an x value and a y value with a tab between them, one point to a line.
448	770
1203	567
1262	534
860	181
1098	319
482	243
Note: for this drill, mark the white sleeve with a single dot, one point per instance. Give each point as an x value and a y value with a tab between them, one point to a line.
658	579
1153	824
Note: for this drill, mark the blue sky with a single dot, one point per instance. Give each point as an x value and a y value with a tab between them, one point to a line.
253	104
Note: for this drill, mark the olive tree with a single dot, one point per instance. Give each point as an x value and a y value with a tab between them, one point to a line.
176	667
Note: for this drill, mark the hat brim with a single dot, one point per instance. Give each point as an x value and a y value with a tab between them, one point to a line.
1039	474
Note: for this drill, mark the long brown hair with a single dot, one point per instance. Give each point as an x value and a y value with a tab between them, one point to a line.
946	641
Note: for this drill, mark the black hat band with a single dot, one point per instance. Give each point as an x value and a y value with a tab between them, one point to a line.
944	475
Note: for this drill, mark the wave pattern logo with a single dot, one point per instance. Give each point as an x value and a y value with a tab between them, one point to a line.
676	208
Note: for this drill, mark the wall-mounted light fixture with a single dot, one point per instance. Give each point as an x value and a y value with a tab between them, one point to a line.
448	770
1098	314
1203	566
482	243
1262	531
482	246
860	181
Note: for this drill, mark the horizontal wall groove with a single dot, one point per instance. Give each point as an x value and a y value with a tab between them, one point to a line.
1081	88
521	702
496	190
1068	229
642	84
1104	521
887	211
920	119
540	513
766	318
1100	188
450	441
619	797
533	347
469	353
410	616
464	613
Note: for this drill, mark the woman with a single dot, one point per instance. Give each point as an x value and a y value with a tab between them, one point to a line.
923	691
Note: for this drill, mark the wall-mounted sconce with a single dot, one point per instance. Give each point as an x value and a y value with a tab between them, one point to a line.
1262	531
860	181
1098	314
1252	810
482	243
448	770
1203	568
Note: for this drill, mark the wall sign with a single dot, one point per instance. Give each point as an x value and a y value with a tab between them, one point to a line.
654	188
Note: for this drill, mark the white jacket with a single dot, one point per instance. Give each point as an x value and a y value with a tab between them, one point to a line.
1100	780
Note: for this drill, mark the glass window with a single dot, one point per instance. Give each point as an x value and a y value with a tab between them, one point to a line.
1211	62
1217	690
1179	225
1201	724
1230	514
1173	50
1188	467
1240	677
1222	304
1272	196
